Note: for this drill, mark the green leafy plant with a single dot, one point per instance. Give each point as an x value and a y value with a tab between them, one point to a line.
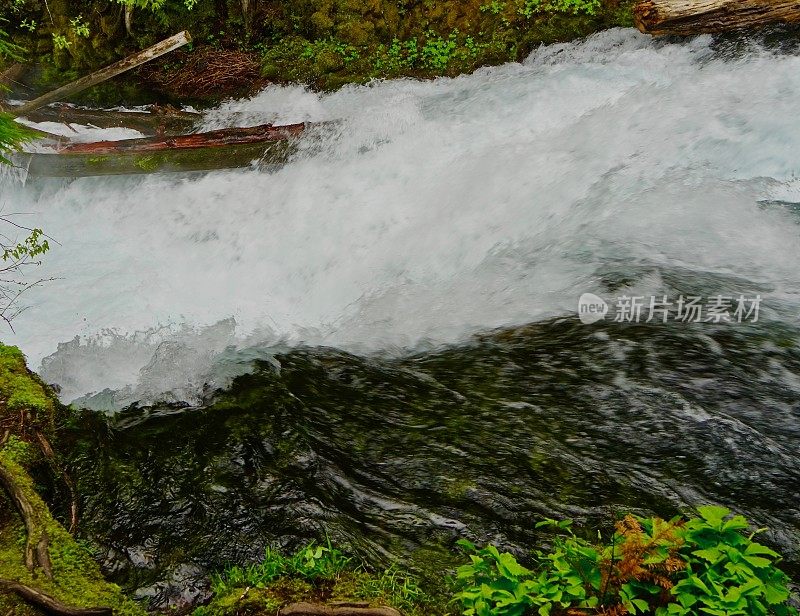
574	7
647	566
402	587
80	27
12	136
311	562
315	572
495	7
31	247
60	42
437	52
727	572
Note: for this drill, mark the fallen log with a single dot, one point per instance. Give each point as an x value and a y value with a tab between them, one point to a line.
48	604
104	74
315	609
222	149
158	121
688	17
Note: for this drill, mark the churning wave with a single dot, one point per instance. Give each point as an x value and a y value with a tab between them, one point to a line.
427	212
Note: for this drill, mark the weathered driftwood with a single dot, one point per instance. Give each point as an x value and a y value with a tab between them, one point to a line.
157	121
316	609
137	59
222	149
48	604
687	17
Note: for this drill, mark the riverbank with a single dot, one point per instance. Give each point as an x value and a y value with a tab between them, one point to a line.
39	558
325	44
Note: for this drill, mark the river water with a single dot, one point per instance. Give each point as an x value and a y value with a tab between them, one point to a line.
428	250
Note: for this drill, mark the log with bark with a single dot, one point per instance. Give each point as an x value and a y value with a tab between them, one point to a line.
159	120
687	17
223	149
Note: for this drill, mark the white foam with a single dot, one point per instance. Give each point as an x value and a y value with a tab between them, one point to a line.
434	209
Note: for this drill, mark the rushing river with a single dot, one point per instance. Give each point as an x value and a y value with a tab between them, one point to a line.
429	214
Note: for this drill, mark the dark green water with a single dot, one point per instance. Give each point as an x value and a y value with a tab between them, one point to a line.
397	458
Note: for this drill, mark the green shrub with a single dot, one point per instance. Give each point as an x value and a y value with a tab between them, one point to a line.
703	566
727	572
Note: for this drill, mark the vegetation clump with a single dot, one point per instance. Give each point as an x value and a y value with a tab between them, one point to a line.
704	566
321	43
316	573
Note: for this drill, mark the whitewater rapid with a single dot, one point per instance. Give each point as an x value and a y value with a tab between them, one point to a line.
430	211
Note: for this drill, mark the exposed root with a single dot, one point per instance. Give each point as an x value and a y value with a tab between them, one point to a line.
49	454
48	604
36	554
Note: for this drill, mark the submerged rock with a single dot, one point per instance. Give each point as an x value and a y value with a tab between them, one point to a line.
398	458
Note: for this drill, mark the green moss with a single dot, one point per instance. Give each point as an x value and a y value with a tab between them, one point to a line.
456	489
77	578
246	602
19	451
19	388
349	44
387	588
148	163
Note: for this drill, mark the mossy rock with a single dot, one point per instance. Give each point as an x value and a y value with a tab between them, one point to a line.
77	580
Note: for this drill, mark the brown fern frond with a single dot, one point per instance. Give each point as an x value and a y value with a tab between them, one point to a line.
673	564
629	526
658	579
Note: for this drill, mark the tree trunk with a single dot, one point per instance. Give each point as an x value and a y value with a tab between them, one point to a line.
687	17
129	19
